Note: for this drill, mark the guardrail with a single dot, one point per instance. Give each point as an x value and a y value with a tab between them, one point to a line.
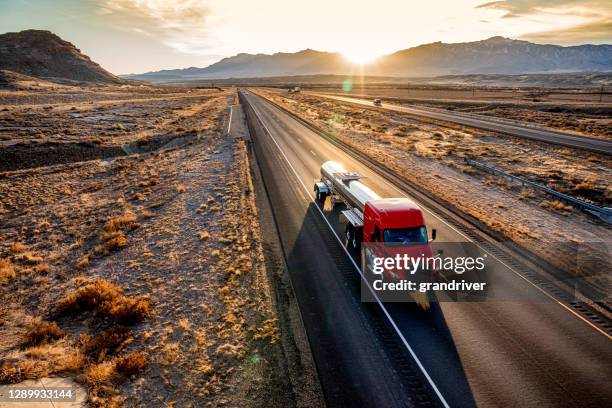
603	213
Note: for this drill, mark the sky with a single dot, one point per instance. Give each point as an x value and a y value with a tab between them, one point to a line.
134	36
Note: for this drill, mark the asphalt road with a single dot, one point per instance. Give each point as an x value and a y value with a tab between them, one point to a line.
492	124
360	362
514	353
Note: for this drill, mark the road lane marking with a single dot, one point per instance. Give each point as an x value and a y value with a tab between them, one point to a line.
313	153
426	208
389	318
229	124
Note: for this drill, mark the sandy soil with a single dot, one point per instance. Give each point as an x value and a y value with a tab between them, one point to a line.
141	276
432	155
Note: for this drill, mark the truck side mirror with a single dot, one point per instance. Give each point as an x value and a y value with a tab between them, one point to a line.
434	233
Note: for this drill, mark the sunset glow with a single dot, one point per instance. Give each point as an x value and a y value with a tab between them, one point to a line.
166	35
360	56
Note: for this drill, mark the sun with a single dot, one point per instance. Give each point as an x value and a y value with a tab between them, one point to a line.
360	56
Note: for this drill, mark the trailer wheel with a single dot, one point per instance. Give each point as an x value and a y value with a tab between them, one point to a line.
320	195
350	238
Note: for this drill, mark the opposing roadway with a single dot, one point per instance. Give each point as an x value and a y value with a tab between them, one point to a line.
514	353
512	128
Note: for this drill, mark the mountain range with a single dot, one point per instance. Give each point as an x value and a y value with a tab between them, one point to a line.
496	55
44	55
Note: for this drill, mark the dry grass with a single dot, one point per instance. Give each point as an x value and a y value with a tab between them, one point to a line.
269	330
16	372
29	258
83	262
102	378
123	222
42	332
107	300
112	241
17	248
7	271
101	374
131	364
184	324
56	358
42	269
557	206
586	187
113	236
109	342
108	373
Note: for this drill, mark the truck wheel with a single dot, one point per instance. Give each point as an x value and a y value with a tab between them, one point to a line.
320	196
350	238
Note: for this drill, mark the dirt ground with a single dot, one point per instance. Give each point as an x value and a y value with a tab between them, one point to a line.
432	155
140	274
578	111
111	123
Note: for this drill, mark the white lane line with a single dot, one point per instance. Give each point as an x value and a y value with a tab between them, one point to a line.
229	124
399	333
563	305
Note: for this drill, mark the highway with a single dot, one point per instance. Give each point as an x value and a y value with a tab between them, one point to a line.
490	123
513	353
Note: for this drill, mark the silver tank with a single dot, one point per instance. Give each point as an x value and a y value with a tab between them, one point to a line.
352	190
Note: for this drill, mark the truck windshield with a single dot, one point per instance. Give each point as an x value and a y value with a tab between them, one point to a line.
406	235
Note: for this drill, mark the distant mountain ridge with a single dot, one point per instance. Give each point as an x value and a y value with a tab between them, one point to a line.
496	55
42	54
306	62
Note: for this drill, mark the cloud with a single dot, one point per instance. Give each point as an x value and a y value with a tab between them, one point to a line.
181	25
594	33
523	8
565	21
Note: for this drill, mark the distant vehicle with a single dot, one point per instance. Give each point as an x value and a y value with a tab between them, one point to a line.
377	102
368	217
290	90
296	89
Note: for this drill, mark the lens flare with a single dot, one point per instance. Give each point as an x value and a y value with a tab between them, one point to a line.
347	85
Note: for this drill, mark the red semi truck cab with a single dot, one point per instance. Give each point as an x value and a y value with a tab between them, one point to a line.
393	220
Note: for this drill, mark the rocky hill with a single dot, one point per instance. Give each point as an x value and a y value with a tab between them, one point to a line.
43	54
